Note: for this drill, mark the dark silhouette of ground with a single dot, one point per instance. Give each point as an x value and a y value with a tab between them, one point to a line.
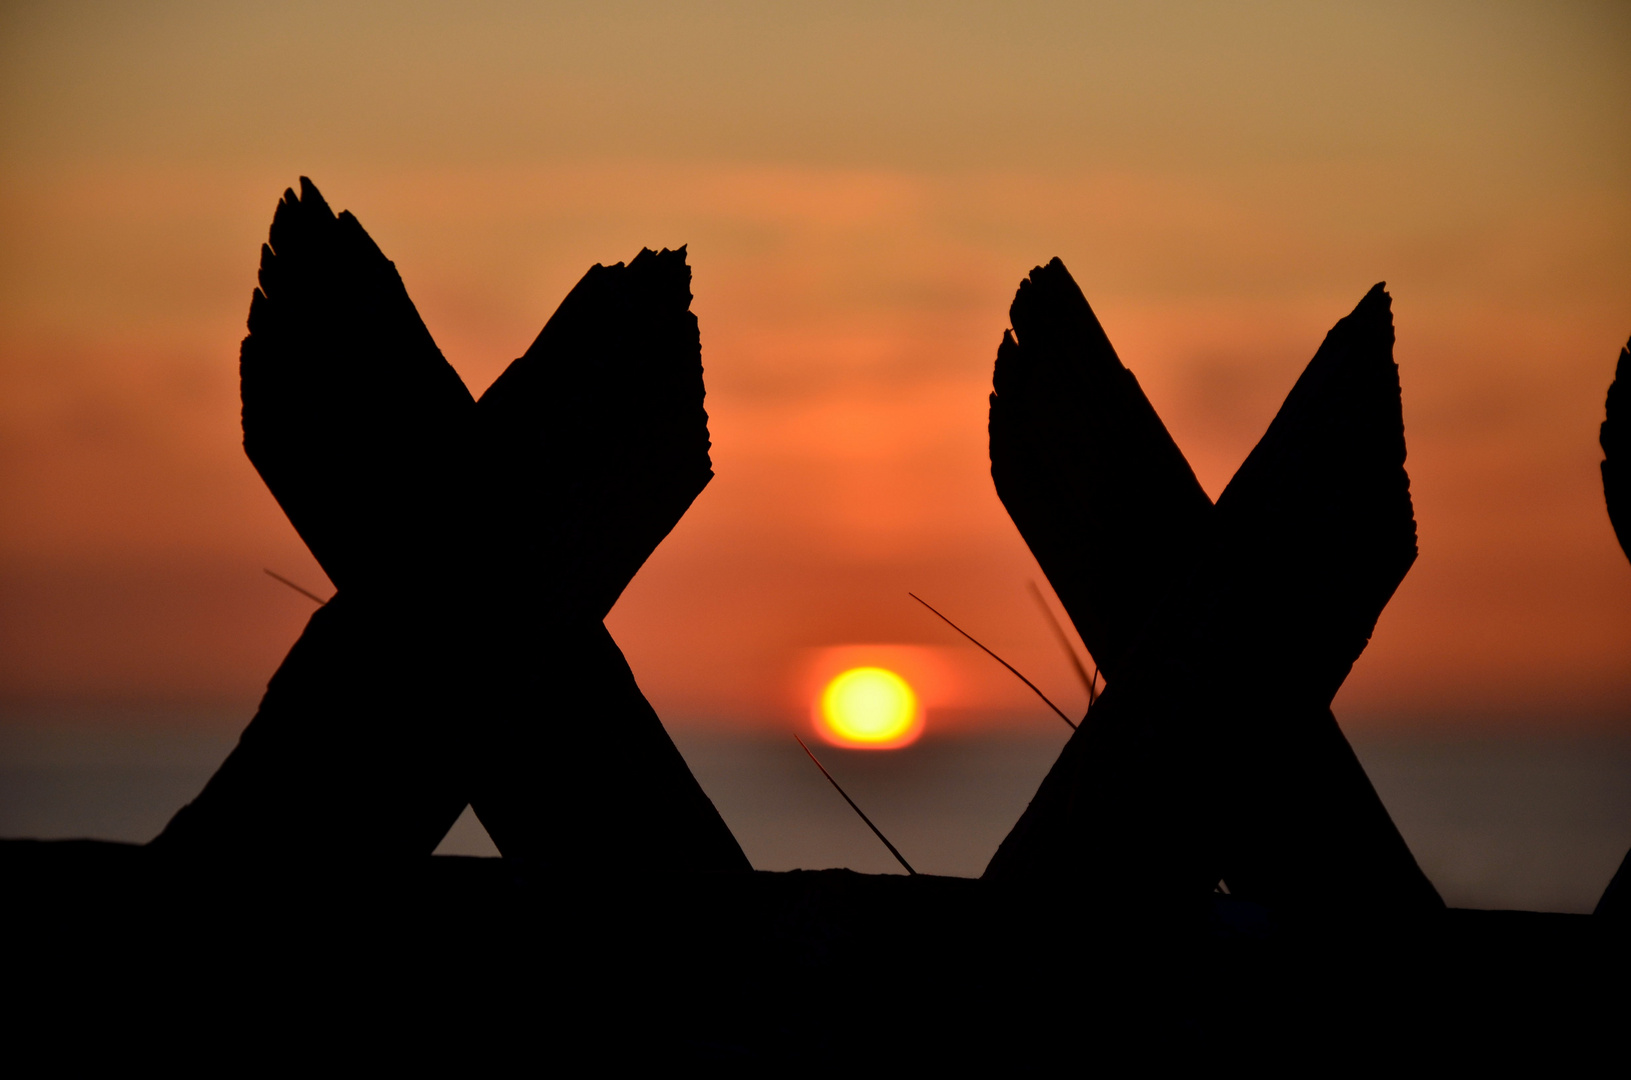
476	546
1212	752
114	955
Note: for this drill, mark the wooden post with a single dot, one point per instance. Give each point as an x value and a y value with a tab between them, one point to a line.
1213	752
1084	466
518	521
1613	435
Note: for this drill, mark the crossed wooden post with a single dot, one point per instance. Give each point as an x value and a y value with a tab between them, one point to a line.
1223	631
477	546
1614	436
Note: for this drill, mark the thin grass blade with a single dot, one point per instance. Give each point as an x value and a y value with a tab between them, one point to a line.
857	809
998	659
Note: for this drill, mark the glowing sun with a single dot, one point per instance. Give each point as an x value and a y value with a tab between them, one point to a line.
869	706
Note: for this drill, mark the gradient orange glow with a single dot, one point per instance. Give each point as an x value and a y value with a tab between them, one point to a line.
869	707
861	191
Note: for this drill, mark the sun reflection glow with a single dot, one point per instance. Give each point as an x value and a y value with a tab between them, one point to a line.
870	706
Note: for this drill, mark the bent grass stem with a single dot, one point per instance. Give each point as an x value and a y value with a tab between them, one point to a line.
998	659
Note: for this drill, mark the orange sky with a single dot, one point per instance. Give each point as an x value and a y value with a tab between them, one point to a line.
861	194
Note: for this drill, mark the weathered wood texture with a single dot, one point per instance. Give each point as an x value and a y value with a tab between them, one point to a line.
1084	466
363	433
596	440
351	415
594	444
1213	753
477	547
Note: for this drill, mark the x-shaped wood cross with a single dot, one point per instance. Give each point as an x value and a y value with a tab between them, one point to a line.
477	546
1223	631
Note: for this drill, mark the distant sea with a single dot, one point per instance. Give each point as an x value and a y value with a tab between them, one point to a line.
1496	822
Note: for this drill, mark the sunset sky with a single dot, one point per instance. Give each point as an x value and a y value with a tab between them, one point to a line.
862	187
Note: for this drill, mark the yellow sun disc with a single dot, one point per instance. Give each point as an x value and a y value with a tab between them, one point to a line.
869	705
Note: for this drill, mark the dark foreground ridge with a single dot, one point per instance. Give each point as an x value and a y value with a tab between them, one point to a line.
127	956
